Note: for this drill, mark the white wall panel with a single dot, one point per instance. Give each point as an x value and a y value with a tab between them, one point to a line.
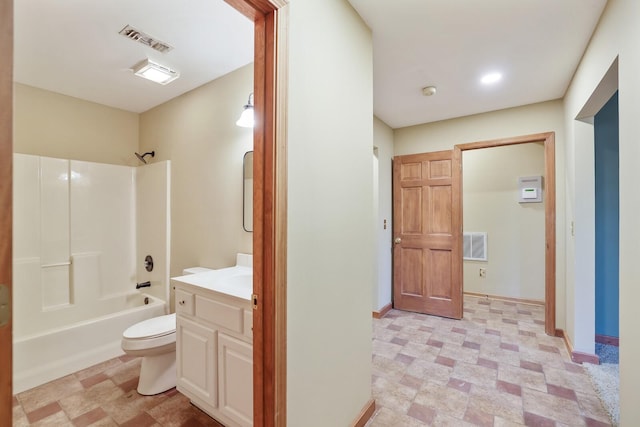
103	221
76	212
54	199
56	287
153	218
54	237
26	204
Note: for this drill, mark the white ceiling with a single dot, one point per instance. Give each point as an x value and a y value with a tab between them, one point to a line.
536	44
73	47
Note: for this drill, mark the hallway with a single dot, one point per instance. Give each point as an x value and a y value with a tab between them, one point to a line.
496	367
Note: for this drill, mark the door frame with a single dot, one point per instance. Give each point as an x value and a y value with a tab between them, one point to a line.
548	138
270	19
6	202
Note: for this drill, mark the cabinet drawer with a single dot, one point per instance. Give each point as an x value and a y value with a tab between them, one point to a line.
248	323
184	302
219	313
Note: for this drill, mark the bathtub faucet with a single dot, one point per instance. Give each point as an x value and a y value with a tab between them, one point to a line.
143	285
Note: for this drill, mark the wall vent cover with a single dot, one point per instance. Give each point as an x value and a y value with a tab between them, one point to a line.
140	37
474	246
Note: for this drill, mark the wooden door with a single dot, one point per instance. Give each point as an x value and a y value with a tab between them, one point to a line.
6	198
427	253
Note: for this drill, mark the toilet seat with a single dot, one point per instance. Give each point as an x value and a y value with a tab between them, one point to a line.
158	333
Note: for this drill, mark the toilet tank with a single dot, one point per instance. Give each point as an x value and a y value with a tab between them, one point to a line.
194	270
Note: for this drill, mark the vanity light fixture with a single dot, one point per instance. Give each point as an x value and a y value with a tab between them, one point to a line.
155	72
246	118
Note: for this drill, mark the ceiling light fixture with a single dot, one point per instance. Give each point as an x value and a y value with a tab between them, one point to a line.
491	78
155	72
246	119
429	90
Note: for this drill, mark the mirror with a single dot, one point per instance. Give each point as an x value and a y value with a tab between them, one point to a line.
247	190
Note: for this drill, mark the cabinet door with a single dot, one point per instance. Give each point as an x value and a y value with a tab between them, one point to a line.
235	367
196	359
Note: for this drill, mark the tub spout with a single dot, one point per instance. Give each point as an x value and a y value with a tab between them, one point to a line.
143	285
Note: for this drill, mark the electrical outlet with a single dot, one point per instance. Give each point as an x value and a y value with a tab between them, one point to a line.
483	272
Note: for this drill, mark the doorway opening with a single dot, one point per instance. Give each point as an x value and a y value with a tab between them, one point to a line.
503	230
596	307
270	18
585	212
607	238
548	141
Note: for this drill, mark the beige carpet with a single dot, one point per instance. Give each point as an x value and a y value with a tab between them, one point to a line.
606	381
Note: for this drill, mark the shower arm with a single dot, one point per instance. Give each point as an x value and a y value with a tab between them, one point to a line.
142	156
143	285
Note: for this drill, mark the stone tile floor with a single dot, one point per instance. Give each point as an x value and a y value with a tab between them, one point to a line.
105	395
496	367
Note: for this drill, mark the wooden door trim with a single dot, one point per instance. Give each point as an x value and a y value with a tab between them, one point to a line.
270	19
6	201
548	138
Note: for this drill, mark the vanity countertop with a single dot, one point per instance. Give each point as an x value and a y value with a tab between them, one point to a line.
234	281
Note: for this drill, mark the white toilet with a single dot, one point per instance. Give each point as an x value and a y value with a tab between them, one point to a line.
155	341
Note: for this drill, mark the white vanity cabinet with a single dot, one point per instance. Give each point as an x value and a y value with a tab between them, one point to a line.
214	352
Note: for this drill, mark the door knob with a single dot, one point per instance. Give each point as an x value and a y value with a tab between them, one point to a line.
397	240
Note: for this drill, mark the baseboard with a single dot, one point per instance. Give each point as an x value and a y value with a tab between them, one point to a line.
366	413
510	299
384	310
606	339
580	357
577	356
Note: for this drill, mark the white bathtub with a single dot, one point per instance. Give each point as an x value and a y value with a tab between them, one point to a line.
43	357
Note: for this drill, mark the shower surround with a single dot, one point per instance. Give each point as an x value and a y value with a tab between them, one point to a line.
81	233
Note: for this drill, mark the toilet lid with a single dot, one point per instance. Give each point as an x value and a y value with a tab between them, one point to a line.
151	328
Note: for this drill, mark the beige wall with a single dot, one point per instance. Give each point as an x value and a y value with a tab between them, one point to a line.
617	35
515	231
54	125
383	142
330	214
197	132
525	120
443	135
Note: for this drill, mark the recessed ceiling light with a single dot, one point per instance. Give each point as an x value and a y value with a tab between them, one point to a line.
155	72
491	78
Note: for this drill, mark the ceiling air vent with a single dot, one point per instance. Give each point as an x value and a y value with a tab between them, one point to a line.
140	37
